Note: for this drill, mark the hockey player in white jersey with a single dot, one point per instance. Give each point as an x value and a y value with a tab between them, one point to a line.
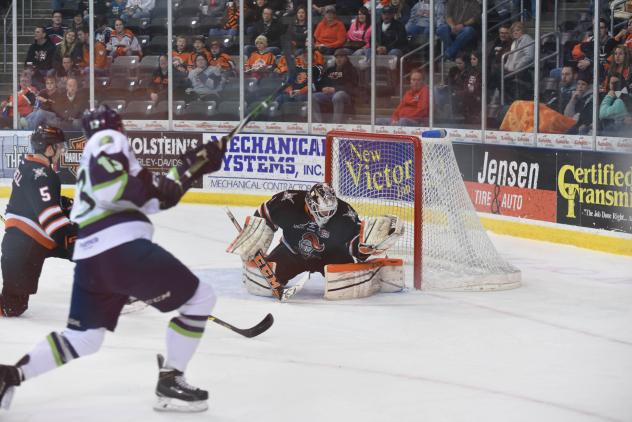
115	259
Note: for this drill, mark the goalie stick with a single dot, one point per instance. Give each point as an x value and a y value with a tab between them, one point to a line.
262	263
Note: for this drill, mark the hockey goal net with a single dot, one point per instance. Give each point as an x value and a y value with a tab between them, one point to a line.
420	182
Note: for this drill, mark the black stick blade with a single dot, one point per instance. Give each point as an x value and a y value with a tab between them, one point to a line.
261	327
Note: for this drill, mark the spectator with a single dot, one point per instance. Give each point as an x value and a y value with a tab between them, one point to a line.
461	17
472	90
565	88
457	77
620	63
27	96
221	60
579	107
182	51
359	33
117	9
44	105
402	11
330	32
158	86
55	30
83	47
181	82
65	71
519	62
77	21
69	106
67	48
414	107
230	21
253	15
199	47
206	81
215	8
613	110
337	88
261	61
419	22
138	9
271	29
102	39
390	34
123	42
625	36
300	62
40	54
297	31
583	52
501	45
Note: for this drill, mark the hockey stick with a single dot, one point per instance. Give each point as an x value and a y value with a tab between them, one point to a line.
254	331
262	263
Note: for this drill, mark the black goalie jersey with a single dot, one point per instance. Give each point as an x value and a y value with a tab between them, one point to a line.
335	242
35	205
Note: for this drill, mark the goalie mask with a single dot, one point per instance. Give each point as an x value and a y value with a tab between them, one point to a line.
322	203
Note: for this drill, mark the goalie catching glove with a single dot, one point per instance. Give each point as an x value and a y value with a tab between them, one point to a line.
380	234
255	236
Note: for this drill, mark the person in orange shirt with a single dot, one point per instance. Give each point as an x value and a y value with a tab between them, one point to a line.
330	33
27	95
183	52
199	47
260	61
414	106
221	60
625	36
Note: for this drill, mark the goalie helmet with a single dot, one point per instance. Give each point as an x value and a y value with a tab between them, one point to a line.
322	203
100	118
44	136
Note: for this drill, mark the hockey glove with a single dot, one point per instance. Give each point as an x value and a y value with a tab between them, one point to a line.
167	191
203	159
66	204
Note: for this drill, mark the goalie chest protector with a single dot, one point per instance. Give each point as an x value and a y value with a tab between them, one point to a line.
336	241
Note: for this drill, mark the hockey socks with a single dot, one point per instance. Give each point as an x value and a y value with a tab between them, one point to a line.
183	337
60	348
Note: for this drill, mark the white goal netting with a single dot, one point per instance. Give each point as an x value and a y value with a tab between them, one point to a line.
379	175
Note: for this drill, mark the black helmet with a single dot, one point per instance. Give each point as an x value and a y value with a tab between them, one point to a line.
322	203
100	118
44	136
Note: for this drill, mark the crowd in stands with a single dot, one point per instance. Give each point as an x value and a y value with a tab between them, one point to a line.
131	63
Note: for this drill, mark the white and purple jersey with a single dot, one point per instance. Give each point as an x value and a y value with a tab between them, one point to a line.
110	203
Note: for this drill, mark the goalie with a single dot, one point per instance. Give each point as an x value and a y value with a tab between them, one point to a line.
320	233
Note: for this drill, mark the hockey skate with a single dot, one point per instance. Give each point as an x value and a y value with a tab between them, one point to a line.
175	394
10	377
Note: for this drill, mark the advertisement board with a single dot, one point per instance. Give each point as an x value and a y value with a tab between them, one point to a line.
595	190
512	181
263	164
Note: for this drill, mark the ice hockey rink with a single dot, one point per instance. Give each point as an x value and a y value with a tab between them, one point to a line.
557	349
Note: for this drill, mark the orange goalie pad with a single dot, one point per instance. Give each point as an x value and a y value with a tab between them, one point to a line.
368	265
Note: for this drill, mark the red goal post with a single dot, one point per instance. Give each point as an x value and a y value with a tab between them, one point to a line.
383	174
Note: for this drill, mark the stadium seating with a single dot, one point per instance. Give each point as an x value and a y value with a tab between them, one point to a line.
200	110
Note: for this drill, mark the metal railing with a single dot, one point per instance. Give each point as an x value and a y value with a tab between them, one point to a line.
5	29
504	57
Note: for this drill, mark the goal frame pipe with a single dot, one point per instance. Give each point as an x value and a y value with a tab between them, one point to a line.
417	144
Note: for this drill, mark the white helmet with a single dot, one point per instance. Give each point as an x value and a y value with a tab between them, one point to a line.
322	203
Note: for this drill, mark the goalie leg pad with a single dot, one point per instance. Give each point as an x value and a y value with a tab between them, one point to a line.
256	284
255	236
353	281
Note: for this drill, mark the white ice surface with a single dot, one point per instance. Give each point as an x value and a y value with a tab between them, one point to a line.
557	349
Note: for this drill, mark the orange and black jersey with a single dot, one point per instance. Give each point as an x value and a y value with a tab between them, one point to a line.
35	204
335	242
